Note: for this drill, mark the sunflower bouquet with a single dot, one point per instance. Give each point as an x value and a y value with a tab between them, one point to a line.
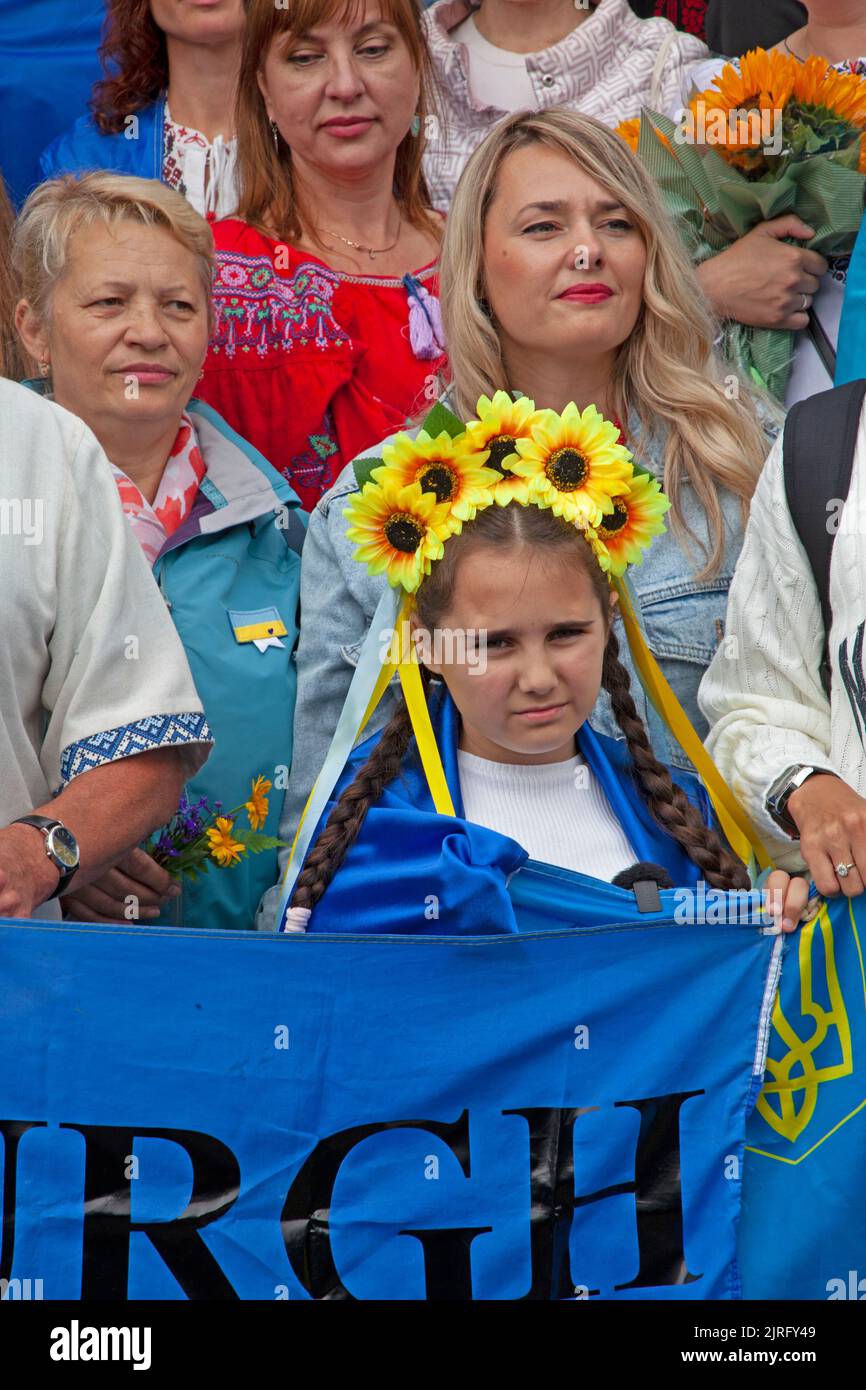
424	489
772	135
199	834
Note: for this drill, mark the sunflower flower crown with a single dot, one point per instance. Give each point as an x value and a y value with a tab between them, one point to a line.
424	490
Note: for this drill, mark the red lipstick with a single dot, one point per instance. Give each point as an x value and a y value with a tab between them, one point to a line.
587	294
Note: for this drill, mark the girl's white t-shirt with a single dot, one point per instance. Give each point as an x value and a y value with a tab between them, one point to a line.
558	812
496	77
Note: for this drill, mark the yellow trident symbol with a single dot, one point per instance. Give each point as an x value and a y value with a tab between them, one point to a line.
794	1079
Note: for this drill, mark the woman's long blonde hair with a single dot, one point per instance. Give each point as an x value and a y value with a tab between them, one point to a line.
267	198
667	370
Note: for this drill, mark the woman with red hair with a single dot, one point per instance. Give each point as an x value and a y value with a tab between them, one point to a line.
164	109
327	318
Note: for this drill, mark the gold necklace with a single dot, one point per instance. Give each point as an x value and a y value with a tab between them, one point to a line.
790	50
371	251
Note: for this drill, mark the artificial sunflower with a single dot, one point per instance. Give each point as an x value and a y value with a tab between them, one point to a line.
399	529
574	464
223	848
257	806
501	422
628	530
450	469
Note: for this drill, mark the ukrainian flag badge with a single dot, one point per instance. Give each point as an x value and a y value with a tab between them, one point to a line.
262	626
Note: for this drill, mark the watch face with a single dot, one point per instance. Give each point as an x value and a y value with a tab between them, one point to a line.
64	846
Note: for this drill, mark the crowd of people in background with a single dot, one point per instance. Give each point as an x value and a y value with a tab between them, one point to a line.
279	236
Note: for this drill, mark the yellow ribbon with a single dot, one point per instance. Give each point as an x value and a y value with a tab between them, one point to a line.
413	693
739	829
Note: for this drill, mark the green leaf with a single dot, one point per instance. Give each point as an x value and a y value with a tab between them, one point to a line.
254	841
441	418
363	468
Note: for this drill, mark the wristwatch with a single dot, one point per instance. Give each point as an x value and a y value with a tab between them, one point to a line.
776	800
61	847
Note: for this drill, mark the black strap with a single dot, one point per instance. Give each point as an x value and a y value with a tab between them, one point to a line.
822	345
818	456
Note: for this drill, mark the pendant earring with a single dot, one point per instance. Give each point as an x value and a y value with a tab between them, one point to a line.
415	126
44	366
276	134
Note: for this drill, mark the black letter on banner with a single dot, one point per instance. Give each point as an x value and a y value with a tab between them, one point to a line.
551	1196
659	1193
108	1224
305	1220
447	1262
12	1131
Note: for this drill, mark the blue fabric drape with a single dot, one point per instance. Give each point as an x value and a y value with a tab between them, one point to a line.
411	870
48	65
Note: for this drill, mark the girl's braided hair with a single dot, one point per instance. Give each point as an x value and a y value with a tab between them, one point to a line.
540	531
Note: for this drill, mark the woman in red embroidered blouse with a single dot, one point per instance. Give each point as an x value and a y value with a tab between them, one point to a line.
327	323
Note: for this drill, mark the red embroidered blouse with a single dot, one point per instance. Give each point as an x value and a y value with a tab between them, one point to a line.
311	365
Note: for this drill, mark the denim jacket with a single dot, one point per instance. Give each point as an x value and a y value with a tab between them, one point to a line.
684	619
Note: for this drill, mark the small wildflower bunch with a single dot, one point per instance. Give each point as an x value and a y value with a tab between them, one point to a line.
199	834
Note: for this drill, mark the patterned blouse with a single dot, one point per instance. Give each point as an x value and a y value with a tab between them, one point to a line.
203	171
311	365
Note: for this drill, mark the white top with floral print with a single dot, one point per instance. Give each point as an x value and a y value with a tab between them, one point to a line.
203	171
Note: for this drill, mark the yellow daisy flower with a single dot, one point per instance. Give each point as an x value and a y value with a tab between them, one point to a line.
449	468
501	422
636	517
257	806
399	529
574	464
223	848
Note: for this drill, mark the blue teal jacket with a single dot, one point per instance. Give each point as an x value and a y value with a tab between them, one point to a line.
851	347
137	150
237	553
413	872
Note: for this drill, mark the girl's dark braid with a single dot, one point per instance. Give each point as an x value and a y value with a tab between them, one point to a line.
345	821
668	803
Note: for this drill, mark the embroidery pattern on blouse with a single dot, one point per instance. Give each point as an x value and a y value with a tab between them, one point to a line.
256	308
314	467
153	731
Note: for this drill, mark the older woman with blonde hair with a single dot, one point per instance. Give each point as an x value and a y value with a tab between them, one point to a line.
563	280
327	328
115	276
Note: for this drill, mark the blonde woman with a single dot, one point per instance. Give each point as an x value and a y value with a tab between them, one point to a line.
115	275
564	280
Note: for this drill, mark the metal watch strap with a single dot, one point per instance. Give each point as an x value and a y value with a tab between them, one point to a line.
777	806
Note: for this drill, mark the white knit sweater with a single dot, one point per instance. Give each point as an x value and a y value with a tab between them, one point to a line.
762	693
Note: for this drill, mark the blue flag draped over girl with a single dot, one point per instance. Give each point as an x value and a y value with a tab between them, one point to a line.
509	544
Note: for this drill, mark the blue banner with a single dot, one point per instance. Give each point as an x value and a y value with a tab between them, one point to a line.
194	1114
804	1216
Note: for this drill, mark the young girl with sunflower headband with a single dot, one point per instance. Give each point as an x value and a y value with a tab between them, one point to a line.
521	556
563	280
